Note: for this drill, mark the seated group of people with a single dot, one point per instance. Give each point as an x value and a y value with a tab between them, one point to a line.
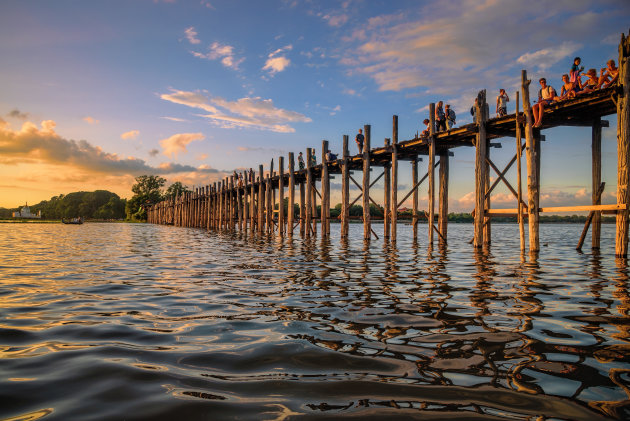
572	85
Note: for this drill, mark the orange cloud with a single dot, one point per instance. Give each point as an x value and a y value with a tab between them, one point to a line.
132	134
178	142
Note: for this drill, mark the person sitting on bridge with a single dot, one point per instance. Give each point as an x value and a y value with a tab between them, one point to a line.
609	75
568	89
546	94
426	132
330	156
591	83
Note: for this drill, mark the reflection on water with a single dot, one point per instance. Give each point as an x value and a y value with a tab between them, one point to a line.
121	321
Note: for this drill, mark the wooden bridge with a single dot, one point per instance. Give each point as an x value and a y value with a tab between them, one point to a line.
257	202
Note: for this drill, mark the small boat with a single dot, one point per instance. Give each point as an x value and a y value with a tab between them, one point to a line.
75	221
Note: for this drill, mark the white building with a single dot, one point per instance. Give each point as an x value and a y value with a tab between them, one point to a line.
25	212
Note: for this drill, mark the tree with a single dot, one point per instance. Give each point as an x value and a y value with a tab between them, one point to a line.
146	192
174	190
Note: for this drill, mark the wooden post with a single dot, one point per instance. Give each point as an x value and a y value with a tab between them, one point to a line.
480	169
281	221
269	196
596	149
487	224
291	204
220	210
302	208
431	172
443	199
261	200
519	152
345	190
252	200
367	233
387	196
414	197
309	191
623	147
533	188
325	191
245	201
394	201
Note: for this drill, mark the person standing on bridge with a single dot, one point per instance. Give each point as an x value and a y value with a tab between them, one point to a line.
502	101
359	139
301	161
440	117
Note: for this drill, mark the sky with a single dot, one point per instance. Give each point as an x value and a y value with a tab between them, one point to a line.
94	94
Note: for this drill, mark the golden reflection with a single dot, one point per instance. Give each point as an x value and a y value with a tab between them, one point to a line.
282	413
31	416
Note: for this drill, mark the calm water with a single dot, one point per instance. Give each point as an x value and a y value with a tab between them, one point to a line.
130	321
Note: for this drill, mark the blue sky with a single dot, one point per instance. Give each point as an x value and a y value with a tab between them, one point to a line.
93	94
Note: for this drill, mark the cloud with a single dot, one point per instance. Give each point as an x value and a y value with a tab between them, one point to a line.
43	145
15	113
132	134
255	113
464	46
276	62
191	35
545	58
90	120
336	20
262	150
177	143
154	152
179	120
224	53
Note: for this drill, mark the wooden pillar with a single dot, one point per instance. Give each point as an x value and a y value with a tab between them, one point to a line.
252	200
519	153
596	149
232	212
623	147
394	201
239	204
414	197
245	200
487	222
261	200
281	220
268	196
220	209
367	227
533	187
325	191
345	190
443	199
481	144
387	194
291	204
431	172
309	192
302	208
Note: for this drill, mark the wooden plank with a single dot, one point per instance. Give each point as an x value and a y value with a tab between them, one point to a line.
586	208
